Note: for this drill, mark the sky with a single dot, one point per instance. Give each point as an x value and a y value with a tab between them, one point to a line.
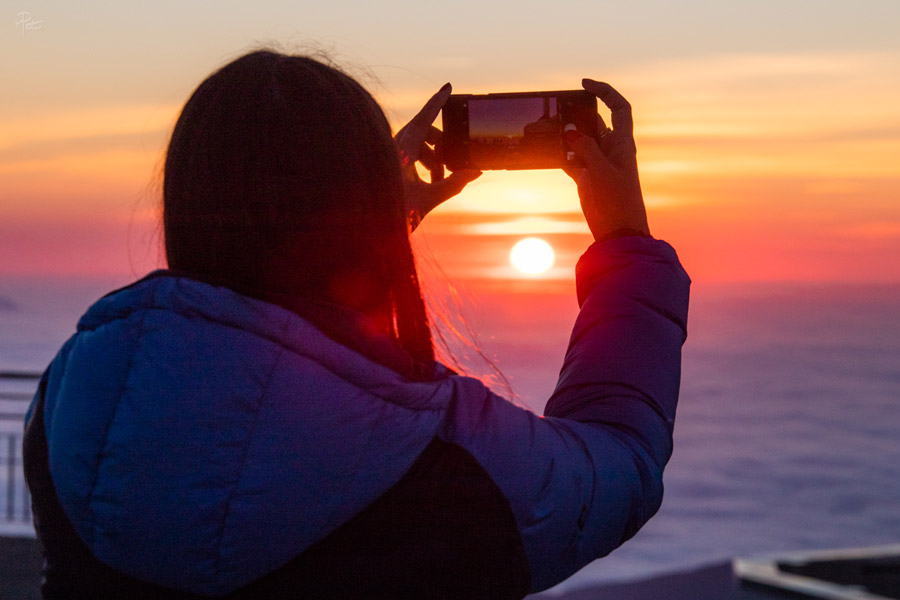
768	132
768	136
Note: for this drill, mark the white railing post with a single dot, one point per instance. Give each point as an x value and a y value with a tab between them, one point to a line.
16	391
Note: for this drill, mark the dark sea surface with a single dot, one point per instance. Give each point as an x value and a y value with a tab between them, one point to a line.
788	432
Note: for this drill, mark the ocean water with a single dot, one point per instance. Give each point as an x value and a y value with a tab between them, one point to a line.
788	432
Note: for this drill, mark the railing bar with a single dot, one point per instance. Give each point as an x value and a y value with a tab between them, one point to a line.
26	500
17	496
11	478
19	375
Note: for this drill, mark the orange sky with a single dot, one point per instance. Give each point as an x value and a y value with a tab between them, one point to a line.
770	162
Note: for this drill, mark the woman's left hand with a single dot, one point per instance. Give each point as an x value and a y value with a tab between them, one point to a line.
417	142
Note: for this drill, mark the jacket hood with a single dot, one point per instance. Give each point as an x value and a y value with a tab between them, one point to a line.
197	418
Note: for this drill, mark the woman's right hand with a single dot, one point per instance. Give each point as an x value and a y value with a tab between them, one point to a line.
608	185
412	141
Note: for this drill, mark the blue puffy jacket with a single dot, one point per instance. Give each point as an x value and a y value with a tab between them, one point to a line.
198	442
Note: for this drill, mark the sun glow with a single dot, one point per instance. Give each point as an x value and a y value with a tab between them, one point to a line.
532	256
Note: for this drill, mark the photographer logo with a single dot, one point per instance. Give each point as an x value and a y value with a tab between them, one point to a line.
26	22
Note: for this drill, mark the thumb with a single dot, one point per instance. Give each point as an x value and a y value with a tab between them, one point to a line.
438	192
454	184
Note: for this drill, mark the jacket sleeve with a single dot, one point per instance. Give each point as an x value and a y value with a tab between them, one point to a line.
618	386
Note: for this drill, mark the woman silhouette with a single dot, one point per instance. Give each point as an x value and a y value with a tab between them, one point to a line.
266	418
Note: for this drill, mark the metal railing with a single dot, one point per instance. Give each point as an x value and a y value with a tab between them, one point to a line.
16	391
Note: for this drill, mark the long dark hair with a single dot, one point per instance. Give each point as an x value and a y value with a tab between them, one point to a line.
282	180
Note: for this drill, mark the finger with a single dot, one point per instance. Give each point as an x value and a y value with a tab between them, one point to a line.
594	159
431	109
439	148
603	134
434	135
430	161
428	158
619	107
412	136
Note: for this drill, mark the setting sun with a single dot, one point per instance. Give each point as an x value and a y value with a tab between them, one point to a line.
532	256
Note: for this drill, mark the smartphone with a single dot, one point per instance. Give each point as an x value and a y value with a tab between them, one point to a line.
519	130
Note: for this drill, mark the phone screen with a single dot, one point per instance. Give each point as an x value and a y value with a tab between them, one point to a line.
515	131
